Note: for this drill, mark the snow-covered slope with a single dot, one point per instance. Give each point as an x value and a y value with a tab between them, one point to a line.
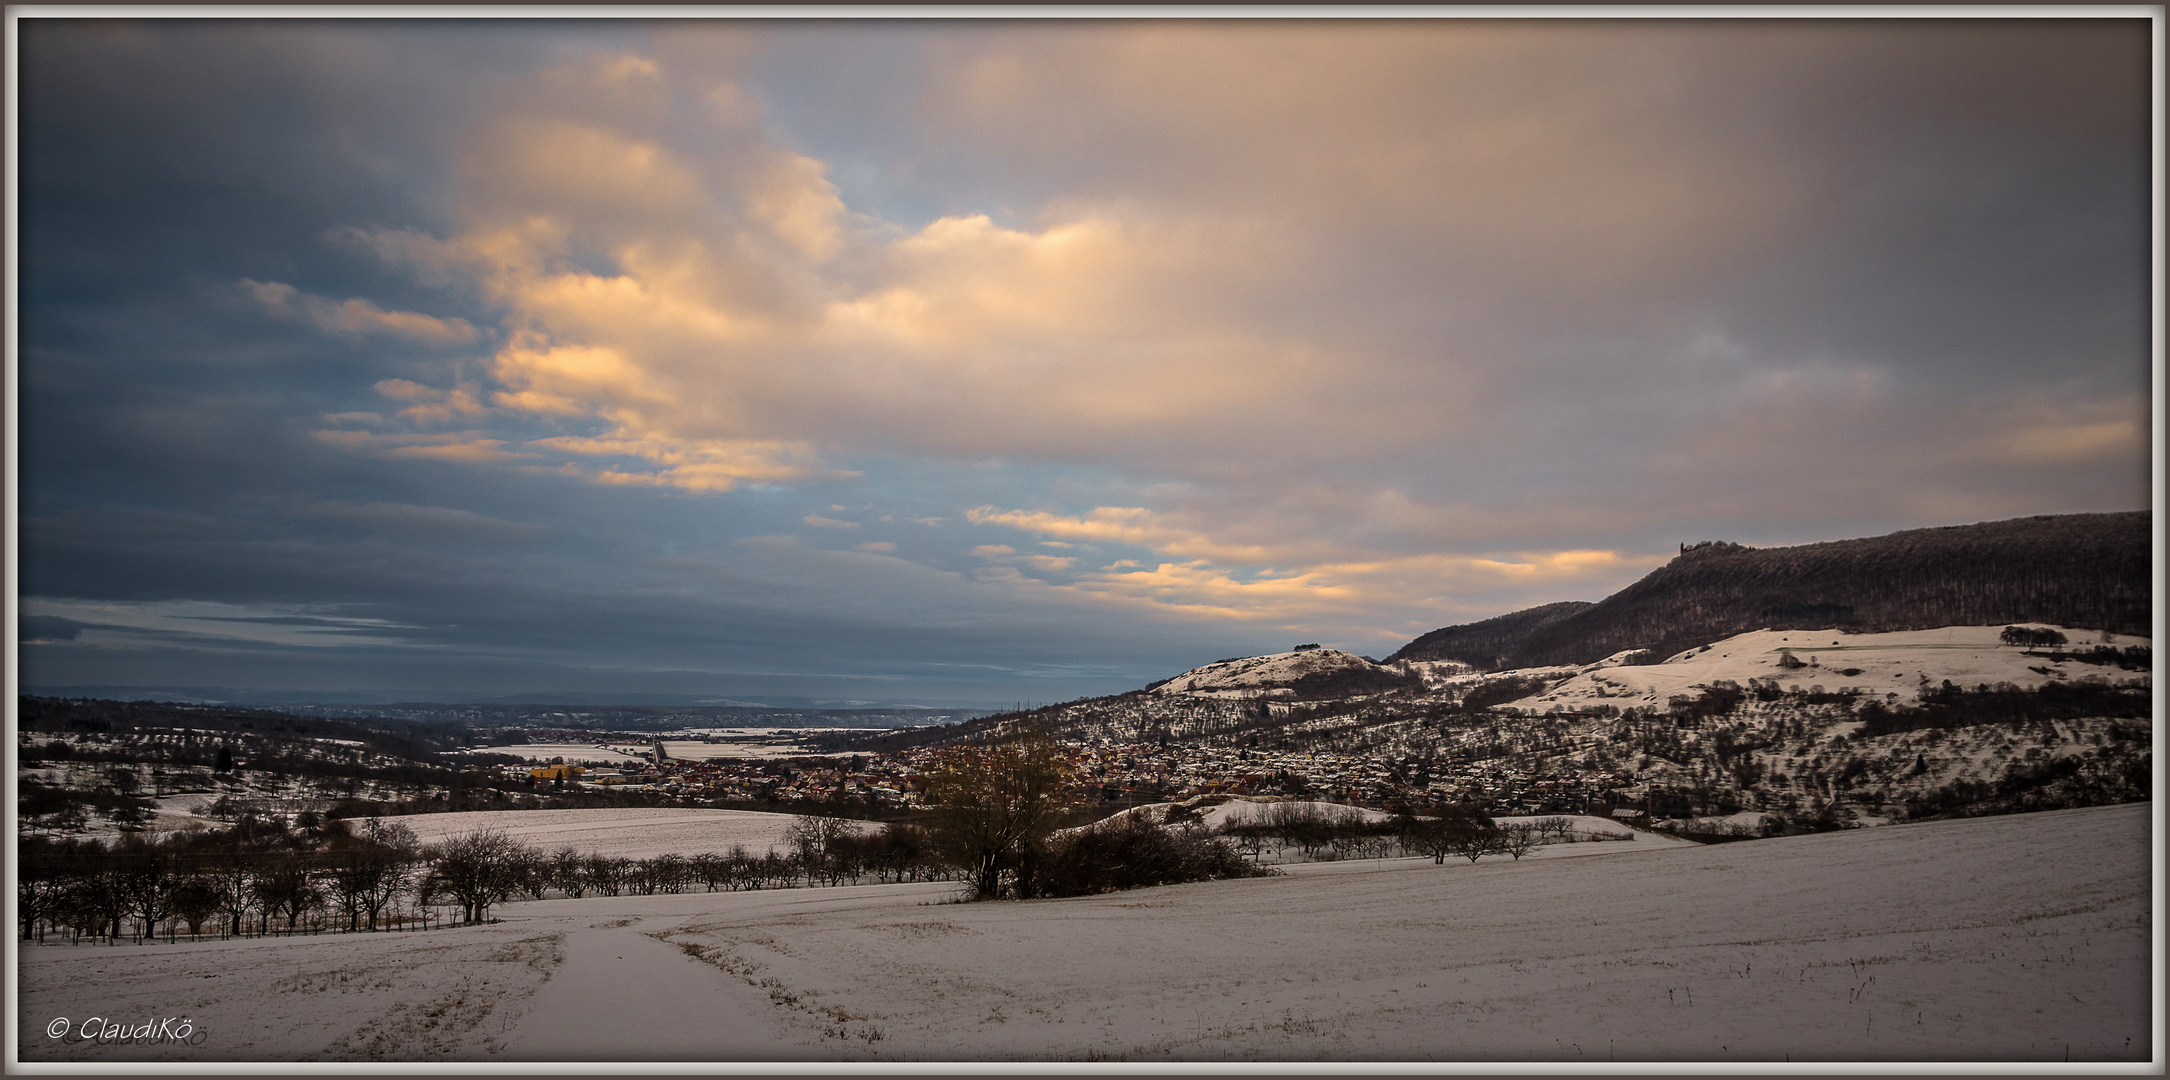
1269	676
2024	937
1903	664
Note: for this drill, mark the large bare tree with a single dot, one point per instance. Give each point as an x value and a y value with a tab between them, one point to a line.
996	802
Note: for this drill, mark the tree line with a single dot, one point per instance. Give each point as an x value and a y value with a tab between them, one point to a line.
1462	830
262	878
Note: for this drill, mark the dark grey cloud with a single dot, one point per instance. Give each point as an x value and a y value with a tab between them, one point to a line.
47	628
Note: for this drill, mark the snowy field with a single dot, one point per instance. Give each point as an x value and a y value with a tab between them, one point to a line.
2020	938
632	833
573	753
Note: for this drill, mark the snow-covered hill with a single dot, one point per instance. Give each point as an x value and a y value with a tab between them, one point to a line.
1282	675
1804	724
2017	938
1897	667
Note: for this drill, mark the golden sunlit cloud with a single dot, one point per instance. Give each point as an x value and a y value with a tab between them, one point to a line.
1346	597
469	447
1121	525
2071	441
1296	593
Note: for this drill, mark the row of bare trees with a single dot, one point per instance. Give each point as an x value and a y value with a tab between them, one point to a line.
379	877
1342	832
138	886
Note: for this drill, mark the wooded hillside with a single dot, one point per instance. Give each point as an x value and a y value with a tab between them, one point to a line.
2078	570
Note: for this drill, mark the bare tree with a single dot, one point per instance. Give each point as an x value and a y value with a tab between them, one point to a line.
232	882
195	900
1555	827
477	870
1451	831
286	887
995	802
1475	842
1520	838
41	889
568	872
819	841
370	870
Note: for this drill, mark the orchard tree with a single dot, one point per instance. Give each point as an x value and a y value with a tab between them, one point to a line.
820	842
1450	832
477	870
1475	842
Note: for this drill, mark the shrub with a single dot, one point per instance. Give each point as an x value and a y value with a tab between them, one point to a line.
1131	852
2030	635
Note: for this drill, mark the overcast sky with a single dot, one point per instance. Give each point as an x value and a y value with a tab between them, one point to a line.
991	361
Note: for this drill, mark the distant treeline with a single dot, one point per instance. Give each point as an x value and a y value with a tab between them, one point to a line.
397	738
2078	570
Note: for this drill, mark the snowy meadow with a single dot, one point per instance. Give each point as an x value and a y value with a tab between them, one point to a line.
2019	938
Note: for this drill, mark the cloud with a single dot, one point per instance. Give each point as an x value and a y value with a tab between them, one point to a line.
1413	244
354	318
46	629
1123	525
1230	583
1341	326
711	465
820	522
437	522
1341	329
465	447
431	405
207	624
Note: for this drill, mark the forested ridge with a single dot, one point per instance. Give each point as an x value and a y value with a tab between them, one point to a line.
2077	570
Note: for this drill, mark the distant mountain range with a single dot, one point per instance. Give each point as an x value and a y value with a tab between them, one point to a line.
2091	570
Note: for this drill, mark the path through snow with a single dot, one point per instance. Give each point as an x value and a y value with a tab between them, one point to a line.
621	992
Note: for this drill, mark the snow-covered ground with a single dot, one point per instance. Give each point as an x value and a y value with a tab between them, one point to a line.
1902	664
1989	939
632	833
192	804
